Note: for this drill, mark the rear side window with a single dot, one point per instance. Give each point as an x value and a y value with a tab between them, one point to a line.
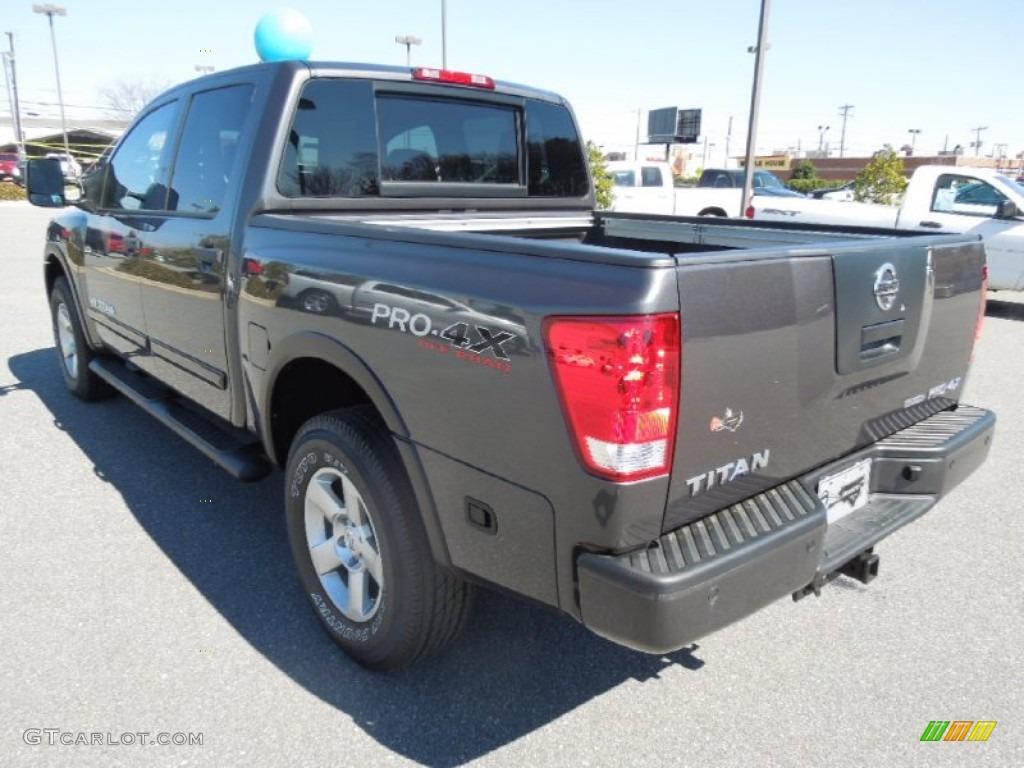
554	161
650	176
331	149
205	161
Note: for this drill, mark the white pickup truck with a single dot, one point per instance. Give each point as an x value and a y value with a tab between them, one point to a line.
938	198
647	187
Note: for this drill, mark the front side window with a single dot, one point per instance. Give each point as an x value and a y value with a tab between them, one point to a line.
965	195
624	178
140	167
206	157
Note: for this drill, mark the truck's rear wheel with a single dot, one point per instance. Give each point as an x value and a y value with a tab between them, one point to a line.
359	544
72	348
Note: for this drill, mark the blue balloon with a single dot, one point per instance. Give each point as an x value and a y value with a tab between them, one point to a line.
283	34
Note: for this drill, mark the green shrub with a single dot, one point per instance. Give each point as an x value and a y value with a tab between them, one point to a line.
804	170
603	181
809	185
11	191
883	179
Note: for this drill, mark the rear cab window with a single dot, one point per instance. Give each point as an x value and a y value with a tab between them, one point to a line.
360	138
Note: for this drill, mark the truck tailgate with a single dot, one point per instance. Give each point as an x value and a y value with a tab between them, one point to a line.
792	360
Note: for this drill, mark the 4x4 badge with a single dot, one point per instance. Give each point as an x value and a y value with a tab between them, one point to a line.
730	421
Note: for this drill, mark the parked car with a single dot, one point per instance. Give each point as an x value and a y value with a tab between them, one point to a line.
939	198
9	168
68	165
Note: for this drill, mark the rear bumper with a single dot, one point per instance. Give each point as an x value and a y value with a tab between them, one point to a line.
710	573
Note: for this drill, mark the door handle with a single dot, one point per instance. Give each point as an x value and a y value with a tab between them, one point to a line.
931	224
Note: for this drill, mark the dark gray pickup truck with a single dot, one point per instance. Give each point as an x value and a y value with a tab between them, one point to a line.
392	284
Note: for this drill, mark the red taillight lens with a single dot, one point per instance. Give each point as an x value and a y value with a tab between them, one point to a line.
453	78
981	309
749	213
618	378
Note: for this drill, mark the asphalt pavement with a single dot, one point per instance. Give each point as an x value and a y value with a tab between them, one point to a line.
145	595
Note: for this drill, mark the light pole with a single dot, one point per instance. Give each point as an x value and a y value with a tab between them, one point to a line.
408	41
755	101
55	10
707	145
204	69
822	130
444	34
913	138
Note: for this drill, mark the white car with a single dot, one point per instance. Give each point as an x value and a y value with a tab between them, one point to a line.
68	165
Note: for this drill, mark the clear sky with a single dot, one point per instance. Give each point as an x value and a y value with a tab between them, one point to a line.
942	66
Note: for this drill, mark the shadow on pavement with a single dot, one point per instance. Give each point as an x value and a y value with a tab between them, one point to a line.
1006	310
517	667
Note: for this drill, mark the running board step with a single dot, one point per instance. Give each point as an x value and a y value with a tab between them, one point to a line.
234	451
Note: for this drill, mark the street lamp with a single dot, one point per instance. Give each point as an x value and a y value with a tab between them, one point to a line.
444	34
408	41
755	103
55	10
913	138
204	69
822	130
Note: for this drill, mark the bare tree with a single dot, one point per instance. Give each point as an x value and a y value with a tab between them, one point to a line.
126	97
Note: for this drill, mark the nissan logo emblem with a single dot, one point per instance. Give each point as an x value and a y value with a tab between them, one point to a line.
887	286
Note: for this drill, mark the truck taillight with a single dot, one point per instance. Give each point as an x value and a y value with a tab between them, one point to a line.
749	213
981	310
452	78
618	380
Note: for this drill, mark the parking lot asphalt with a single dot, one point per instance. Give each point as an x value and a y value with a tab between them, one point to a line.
144	591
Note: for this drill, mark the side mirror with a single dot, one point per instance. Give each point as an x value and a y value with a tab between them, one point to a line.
1007	209
44	181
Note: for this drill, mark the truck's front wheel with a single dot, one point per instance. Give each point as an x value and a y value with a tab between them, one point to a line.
72	348
360	547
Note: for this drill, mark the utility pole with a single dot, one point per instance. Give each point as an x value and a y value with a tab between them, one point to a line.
728	137
755	102
844	110
636	145
977	138
19	137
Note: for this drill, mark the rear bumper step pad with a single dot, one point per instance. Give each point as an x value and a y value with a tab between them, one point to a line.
714	571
